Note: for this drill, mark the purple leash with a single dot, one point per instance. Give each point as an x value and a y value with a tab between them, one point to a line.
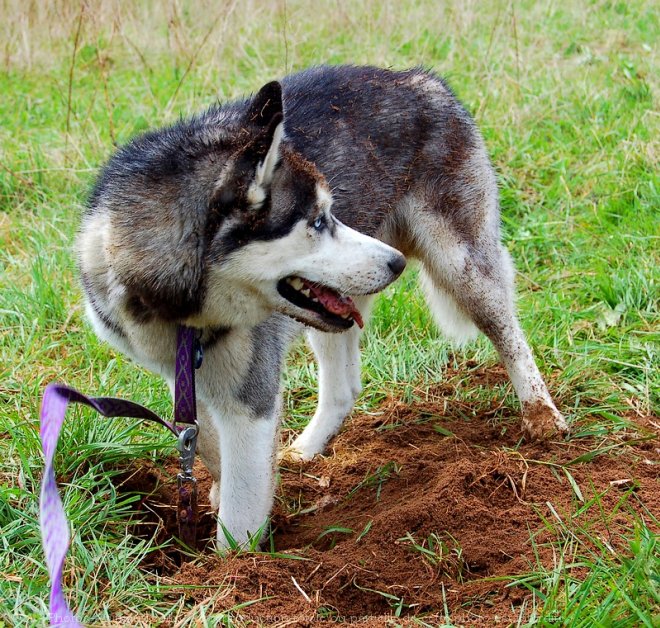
54	525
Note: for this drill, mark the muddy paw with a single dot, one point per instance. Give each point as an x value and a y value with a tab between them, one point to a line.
541	421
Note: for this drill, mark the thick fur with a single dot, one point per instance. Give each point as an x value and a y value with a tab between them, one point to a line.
319	177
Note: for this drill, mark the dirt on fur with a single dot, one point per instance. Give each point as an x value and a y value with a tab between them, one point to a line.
415	509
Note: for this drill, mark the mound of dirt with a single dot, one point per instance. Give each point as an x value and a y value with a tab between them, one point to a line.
414	509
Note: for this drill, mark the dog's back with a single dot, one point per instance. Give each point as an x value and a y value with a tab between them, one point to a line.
379	136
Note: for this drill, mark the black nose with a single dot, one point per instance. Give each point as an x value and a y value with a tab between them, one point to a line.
397	264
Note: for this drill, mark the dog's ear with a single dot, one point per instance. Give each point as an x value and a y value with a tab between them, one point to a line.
254	164
264	120
265	105
266	114
265	152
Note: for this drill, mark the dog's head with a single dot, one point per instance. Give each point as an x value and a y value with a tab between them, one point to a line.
216	221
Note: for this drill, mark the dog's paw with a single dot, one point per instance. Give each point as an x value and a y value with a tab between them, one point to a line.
299	451
542	420
292	454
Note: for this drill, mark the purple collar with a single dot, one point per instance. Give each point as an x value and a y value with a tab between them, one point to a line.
54	525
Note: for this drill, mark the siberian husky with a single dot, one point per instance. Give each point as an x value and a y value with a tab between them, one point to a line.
291	209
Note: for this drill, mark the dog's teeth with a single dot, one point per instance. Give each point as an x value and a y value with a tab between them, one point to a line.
296	282
346	315
315	300
305	292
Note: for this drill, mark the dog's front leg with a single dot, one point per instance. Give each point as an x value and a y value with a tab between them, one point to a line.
239	385
247	448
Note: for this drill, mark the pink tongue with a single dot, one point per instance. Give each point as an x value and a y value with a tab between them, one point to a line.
336	304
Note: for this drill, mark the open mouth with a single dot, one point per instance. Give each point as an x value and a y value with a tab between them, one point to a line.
332	307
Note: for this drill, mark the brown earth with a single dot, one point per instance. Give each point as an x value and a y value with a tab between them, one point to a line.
463	489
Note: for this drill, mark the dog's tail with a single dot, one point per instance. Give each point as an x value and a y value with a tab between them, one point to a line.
452	320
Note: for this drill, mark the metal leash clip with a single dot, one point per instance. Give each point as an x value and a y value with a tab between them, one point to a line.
187	486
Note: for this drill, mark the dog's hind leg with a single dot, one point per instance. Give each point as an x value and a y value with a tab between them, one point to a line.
476	284
338	357
447	314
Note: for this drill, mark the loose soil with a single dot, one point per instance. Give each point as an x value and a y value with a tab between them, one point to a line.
434	474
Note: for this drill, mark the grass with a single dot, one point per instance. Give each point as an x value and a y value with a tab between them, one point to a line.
566	96
591	583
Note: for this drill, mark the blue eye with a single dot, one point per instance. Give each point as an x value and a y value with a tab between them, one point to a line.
319	223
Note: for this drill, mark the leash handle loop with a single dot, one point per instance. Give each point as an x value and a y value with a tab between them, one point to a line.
52	519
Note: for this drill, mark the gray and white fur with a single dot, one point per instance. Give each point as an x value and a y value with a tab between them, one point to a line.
259	217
